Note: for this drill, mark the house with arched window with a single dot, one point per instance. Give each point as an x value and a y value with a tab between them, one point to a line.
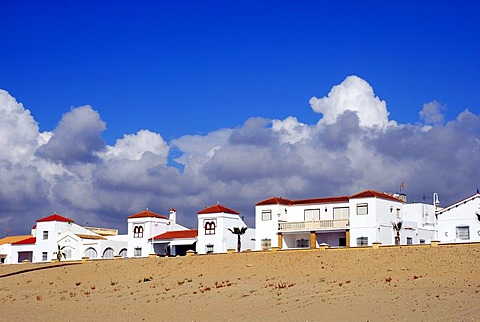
144	228
214	235
53	232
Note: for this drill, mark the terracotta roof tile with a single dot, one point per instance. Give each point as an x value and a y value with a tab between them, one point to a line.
218	208
363	194
321	200
374	194
13	239
30	240
146	214
274	201
177	234
55	217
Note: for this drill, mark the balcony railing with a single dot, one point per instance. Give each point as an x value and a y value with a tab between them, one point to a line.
314	225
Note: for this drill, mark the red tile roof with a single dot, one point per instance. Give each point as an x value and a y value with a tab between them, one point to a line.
363	194
374	194
321	200
55	217
177	234
274	201
146	214
30	240
217	209
13	239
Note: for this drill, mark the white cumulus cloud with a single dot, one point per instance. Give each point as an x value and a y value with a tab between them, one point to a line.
133	146
353	94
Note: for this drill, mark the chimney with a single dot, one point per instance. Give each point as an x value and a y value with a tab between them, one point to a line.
173	215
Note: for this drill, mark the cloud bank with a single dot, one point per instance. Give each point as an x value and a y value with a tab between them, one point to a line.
353	146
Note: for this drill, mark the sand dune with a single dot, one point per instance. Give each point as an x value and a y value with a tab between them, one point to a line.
415	283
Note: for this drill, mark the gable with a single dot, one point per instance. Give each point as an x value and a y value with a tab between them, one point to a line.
218	208
467	208
55	217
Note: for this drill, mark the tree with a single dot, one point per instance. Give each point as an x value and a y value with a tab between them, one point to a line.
60	253
239	232
397	226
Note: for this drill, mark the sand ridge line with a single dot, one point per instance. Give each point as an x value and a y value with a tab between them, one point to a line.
26	270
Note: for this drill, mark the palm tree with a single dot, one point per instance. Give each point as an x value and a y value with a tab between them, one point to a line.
60	253
238	231
397	226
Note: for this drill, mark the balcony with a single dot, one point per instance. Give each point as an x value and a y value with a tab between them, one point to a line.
314	225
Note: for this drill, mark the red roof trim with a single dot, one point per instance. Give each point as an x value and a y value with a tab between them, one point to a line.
374	194
275	201
146	214
363	194
55	217
218	208
321	200
27	241
177	234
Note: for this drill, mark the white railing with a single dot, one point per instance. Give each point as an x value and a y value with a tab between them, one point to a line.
314	225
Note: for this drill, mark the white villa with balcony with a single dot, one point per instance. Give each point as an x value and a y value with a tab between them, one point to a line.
349	221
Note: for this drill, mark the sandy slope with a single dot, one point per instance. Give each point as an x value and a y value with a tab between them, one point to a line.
407	283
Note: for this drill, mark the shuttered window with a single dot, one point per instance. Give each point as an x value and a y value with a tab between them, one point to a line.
312	214
463	232
341	213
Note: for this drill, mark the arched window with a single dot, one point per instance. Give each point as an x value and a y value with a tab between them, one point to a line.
210	228
123	252
108	253
138	232
90	253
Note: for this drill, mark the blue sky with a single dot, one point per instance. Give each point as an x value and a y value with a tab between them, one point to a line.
188	67
181	104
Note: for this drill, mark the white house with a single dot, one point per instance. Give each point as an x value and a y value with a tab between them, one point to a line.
214	235
6	247
460	222
356	220
76	242
144	226
175	242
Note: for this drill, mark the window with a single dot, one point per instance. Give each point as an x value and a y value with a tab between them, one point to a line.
90	253
137	251
311	214
45	234
44	256
463	232
266	215
341	213
209	248
68	252
138	232
303	243
266	243
409	240
108	253
422	241
362	241
123	252
362	209
210	228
